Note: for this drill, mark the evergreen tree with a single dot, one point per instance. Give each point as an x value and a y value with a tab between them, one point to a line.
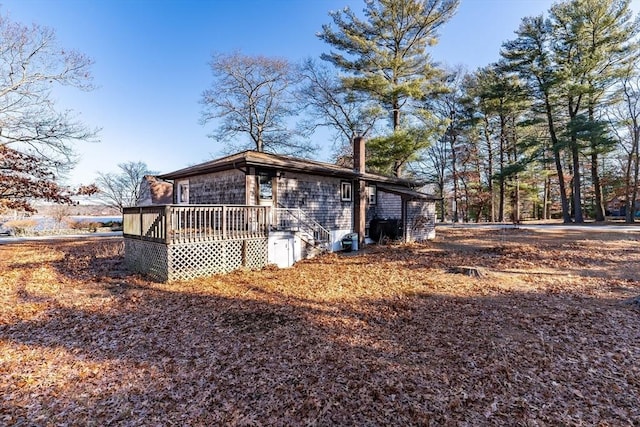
593	41
386	57
529	55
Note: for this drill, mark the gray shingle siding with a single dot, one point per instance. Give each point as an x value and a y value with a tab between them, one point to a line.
318	196
420	220
218	188
388	206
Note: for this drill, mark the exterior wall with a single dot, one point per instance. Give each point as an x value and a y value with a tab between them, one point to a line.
388	206
318	196
144	196
154	192
252	188
421	224
219	188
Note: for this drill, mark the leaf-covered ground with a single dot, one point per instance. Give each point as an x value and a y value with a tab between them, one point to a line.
549	335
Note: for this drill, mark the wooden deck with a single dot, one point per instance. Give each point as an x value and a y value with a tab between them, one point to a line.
175	224
181	242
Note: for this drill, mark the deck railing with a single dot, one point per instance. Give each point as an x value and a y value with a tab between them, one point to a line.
297	220
173	224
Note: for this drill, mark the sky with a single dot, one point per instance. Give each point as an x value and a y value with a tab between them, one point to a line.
151	63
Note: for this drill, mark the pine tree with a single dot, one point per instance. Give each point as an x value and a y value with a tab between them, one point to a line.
593	42
529	55
385	55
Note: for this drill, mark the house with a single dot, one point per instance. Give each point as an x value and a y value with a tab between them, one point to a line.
617	207
154	191
303	206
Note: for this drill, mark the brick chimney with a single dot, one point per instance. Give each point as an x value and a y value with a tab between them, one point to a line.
360	193
358	154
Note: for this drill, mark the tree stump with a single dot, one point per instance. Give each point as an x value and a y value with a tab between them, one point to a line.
468	271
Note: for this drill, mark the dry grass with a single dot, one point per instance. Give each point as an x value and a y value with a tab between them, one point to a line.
545	337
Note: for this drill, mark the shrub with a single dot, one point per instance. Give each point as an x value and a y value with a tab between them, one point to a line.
114	225
84	226
20	227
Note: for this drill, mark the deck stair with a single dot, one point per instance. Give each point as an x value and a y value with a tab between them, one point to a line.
309	230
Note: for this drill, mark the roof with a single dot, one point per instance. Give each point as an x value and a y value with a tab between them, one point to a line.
406	192
161	191
251	158
155	192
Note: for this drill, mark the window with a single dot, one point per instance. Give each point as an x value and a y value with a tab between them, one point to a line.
372	193
183	192
346	191
265	186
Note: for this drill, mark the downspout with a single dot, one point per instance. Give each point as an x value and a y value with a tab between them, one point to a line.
405	225
360	199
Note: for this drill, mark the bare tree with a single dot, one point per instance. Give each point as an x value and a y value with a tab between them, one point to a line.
32	128
433	166
120	190
330	104
625	118
252	97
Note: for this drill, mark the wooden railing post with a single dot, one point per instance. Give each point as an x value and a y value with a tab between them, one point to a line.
224	222
140	221
167	224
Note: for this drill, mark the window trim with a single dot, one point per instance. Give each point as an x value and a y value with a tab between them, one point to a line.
372	194
180	185
346	191
268	178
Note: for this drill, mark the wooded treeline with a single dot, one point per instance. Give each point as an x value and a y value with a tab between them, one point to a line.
550	130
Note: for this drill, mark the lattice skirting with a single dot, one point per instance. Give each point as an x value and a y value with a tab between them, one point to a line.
190	260
148	258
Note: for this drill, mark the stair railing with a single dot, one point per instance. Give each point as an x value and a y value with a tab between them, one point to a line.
295	219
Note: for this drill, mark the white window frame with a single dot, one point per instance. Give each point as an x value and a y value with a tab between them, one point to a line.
372	194
264	179
346	191
182	192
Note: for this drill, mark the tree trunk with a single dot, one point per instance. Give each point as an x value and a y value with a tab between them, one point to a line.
577	181
516	178
573	108
259	144
546	198
564	200
501	180
395	122
597	188
516	202
454	172
636	170
395	114
595	174
442	203
467	207
487	138
628	215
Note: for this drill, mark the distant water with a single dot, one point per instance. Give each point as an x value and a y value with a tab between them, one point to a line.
48	223
96	218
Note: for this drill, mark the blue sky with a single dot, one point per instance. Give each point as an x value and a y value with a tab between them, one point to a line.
151	62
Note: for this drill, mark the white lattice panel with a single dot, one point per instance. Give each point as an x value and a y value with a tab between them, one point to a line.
187	261
256	253
190	260
146	257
